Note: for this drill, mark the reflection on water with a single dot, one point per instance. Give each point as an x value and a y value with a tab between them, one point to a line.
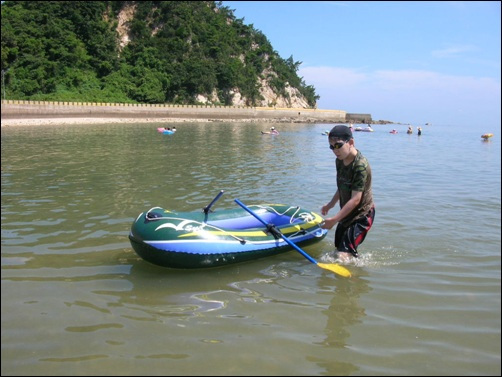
424	298
344	309
343	312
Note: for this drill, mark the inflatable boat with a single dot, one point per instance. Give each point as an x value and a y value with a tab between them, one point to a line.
486	136
364	129
205	238
272	131
165	130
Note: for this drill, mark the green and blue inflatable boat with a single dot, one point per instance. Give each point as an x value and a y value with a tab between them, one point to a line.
210	239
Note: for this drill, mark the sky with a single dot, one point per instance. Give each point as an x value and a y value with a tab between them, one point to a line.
411	62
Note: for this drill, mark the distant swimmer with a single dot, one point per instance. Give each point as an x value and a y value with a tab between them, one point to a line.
272	131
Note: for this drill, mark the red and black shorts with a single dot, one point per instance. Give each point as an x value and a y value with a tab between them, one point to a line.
347	239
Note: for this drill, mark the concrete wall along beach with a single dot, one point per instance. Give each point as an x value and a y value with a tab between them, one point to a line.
16	109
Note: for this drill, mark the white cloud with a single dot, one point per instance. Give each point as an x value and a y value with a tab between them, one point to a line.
407	95
453	51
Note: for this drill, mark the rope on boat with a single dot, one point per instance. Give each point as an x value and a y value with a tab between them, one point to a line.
272	229
291	218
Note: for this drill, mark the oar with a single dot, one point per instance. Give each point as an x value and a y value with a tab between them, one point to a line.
207	208
337	269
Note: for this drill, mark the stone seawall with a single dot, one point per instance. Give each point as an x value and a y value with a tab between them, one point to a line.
14	109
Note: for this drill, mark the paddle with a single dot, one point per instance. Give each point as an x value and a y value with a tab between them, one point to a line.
207	208
337	269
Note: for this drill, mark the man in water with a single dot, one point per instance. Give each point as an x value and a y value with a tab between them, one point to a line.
353	179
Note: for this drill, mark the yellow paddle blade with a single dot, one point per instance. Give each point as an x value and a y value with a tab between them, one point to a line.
337	269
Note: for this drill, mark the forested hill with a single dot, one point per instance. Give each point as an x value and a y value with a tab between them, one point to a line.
180	52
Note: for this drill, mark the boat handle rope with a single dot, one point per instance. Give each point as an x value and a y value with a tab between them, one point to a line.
267	208
147	215
271	209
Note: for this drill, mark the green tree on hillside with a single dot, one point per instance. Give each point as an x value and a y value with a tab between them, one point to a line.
70	50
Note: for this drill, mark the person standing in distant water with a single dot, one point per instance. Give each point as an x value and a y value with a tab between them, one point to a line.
353	180
419	130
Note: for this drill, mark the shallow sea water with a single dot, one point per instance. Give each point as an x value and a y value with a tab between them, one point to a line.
424	298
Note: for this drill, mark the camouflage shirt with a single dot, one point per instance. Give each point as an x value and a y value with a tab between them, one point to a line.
354	177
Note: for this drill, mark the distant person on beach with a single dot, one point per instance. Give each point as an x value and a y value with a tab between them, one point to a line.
410	130
353	180
419	130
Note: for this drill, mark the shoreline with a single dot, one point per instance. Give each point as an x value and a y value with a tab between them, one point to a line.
39	113
65	121
36	113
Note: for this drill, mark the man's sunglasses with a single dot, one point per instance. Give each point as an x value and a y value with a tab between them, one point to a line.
337	145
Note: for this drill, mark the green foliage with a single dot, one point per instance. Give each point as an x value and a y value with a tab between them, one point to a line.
71	51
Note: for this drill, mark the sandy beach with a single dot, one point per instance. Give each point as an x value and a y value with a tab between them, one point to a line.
39	113
70	121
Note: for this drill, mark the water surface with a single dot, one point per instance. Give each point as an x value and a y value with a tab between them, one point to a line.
424	298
